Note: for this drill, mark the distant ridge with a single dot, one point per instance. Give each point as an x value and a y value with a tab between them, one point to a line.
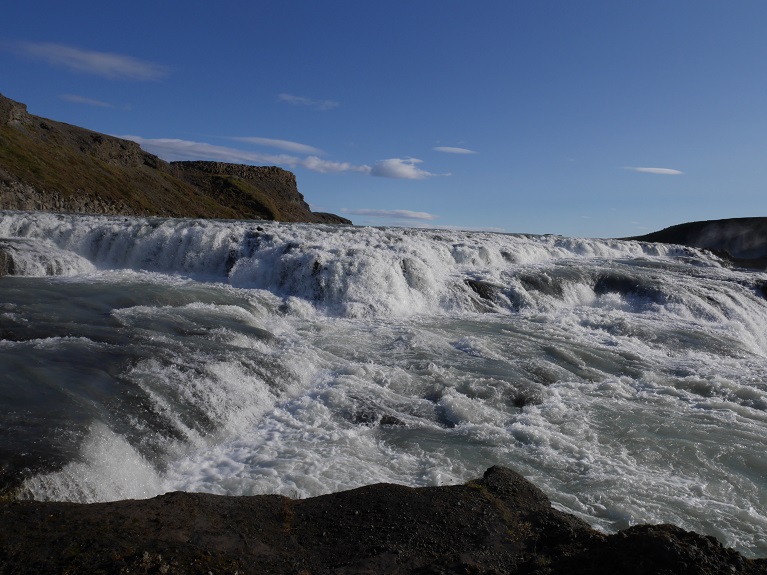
52	166
740	240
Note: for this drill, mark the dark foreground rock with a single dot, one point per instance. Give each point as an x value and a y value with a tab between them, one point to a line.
498	524
743	241
51	166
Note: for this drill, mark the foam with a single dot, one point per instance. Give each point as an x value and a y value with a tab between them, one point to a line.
108	469
626	379
352	272
37	258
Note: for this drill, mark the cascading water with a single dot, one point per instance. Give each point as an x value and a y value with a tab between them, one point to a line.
145	355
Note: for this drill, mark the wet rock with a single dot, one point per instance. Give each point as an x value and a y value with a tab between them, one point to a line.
625	285
482	289
500	523
372	418
542	283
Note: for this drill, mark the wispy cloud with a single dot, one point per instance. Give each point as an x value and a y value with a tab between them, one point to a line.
172	149
286	145
451	150
326	167
659	171
402	168
396	214
308	102
105	64
86	101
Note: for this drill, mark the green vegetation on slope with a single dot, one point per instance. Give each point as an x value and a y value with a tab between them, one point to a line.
54	166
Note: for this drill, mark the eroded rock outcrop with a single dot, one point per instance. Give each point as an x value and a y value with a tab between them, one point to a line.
52	166
498	524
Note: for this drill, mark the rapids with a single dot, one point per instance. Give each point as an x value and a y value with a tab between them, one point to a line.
145	355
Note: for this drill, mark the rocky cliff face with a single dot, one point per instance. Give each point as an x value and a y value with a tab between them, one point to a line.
277	188
48	165
16	195
12	112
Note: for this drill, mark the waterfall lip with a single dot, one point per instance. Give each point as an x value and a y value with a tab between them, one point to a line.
241	358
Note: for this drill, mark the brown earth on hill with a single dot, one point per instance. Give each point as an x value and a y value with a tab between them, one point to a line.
52	166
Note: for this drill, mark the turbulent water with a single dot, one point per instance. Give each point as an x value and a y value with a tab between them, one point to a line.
140	356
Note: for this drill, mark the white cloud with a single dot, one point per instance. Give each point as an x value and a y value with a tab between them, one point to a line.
87	101
286	145
325	167
308	102
171	149
660	171
450	150
105	64
397	214
403	168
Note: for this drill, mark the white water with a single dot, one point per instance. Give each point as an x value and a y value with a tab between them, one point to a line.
627	380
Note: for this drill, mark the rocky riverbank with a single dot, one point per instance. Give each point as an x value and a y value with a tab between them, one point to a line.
498	524
52	166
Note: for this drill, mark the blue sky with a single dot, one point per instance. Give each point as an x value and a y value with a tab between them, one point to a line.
601	118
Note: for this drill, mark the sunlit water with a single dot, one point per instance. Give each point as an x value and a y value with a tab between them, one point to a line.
140	356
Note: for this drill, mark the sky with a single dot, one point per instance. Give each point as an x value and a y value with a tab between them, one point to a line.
595	118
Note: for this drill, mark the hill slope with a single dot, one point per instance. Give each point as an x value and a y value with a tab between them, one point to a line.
741	240
48	165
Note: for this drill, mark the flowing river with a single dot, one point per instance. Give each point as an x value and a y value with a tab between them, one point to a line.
143	355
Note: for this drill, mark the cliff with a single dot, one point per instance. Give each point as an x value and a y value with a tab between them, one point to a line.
743	241
52	166
500	523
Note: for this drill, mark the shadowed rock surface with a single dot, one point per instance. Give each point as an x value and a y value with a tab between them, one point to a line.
743	241
52	166
498	524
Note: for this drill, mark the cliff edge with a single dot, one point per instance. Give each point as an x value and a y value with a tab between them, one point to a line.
52	166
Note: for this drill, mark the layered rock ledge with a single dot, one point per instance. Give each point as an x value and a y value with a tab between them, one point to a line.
498	524
51	166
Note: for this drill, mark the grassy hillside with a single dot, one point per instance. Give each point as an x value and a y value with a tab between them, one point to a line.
53	166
